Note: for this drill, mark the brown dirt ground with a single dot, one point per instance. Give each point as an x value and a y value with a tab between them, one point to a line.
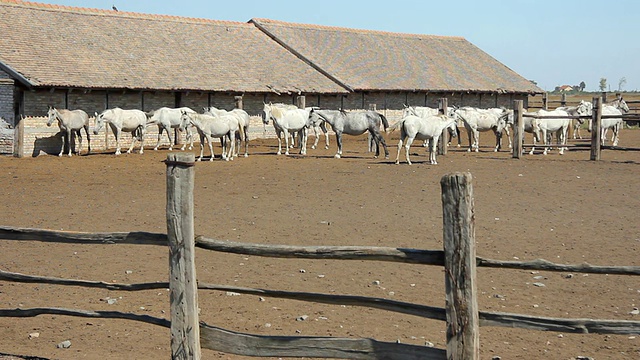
566	209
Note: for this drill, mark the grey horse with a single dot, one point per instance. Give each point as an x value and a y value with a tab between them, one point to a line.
70	123
353	123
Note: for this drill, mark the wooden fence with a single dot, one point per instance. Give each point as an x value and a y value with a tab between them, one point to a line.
188	335
596	135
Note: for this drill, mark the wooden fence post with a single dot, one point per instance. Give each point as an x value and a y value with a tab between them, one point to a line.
604	97
545	101
460	267
301	102
238	102
18	138
518	128
183	287
596	126
443	103
563	99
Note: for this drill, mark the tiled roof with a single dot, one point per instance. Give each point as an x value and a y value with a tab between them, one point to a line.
375	60
61	46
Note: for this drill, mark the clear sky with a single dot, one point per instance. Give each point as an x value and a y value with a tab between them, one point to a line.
552	42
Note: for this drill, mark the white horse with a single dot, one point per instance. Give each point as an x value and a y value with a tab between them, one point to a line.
425	111
547	126
133	121
427	128
209	127
243	121
480	120
167	119
354	123
576	123
287	120
617	107
70	123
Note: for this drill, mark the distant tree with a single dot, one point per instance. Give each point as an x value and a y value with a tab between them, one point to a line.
621	83
603	84
582	86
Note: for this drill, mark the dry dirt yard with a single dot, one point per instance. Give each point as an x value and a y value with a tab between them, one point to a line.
565	209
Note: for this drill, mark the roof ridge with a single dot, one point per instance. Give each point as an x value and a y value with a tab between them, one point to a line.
354	30
96	11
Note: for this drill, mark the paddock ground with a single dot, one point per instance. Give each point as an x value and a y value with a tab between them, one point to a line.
565	209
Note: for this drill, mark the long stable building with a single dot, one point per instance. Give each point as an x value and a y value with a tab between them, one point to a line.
93	59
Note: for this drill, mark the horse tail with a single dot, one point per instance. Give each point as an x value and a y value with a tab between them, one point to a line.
385	123
241	130
395	126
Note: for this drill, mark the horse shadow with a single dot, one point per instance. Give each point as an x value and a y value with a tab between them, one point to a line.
49	145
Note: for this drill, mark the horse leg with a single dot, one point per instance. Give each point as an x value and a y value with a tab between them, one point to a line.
399	148
476	140
407	148
279	135
86	130
302	135
79	137
469	135
339	142
433	143
380	140
286	139
323	127
160	129
316	132
201	147
117	133
232	145
63	138
458	135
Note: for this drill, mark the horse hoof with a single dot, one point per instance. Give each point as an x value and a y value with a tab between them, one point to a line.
313	146
397	162
337	156
326	148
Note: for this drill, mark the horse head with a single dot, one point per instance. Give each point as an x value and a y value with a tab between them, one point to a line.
52	114
622	105
99	122
185	119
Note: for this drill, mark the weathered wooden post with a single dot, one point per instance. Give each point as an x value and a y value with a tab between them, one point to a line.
183	287
596	126
604	97
518	128
238	102
545	101
460	267
18	138
563	99
444	137
301	102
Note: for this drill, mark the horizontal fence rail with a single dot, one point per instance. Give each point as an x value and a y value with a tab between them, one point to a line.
487	318
404	255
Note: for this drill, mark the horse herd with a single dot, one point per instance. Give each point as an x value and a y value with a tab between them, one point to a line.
289	122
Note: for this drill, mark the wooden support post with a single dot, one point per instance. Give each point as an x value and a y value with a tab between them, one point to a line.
596	126
444	137
518	128
238	102
18	138
460	267
185	327
563	99
545	101
301	102
604	97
